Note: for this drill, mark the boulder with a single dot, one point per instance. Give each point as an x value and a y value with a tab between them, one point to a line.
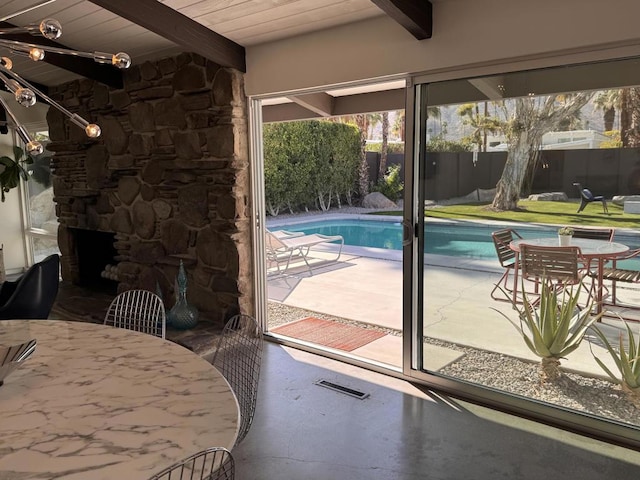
549	197
377	200
620	199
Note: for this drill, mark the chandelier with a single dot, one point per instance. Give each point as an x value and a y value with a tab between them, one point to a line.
25	93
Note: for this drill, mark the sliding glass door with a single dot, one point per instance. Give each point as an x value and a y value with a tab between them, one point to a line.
514	152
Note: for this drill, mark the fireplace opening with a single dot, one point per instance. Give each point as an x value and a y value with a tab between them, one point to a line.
96	259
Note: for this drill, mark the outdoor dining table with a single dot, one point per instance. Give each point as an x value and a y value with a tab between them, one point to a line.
99	402
591	250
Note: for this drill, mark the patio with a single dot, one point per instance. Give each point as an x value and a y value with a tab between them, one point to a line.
458	307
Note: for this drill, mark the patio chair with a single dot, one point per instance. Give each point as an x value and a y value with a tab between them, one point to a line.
286	248
615	274
139	310
559	266
32	295
506	257
238	357
587	197
594	233
214	463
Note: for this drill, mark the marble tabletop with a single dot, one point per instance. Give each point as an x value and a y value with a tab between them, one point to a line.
98	402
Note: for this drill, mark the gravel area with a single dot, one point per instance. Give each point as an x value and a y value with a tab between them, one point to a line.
587	394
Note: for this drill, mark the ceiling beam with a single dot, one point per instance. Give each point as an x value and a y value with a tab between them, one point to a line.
85	67
416	16
320	103
346	105
180	29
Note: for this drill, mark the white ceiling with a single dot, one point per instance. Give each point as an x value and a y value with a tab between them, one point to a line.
89	27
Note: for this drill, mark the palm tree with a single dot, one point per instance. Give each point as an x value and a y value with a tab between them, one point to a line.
630	117
608	101
385	145
480	123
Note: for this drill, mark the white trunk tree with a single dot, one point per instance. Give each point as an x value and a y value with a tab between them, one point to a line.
532	118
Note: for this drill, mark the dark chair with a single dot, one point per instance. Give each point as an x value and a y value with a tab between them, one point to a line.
33	294
214	463
238	357
587	197
506	257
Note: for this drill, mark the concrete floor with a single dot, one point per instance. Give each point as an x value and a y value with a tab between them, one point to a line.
305	431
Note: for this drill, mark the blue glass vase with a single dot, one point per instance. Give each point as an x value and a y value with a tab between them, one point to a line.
182	316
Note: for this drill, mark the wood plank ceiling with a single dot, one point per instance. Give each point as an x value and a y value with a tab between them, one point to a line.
217	29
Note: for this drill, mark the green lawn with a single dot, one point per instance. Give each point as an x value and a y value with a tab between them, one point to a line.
561	213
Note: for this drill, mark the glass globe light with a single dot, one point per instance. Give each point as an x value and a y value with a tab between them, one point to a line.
34	148
121	60
50	28
36	54
25	97
92	130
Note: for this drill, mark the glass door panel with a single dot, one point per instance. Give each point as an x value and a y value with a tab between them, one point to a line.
515	152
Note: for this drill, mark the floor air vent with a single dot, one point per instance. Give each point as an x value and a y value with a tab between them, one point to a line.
342	389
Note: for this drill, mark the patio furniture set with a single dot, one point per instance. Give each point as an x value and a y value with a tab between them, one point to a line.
592	255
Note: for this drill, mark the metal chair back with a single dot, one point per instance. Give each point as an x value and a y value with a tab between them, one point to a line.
594	233
214	463
139	310
239	357
501	240
555	264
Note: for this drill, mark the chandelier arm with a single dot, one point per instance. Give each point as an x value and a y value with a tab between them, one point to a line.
32	147
120	60
74	117
62	51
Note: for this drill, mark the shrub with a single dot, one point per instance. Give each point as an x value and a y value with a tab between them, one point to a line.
391	184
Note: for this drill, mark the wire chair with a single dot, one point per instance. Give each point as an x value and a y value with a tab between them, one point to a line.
139	310
506	256
215	463
238	357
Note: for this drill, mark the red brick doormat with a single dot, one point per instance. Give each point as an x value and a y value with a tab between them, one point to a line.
330	334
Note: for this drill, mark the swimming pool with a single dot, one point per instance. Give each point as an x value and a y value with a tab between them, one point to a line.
458	239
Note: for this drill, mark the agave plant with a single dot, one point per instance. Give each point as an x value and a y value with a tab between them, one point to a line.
627	359
553	326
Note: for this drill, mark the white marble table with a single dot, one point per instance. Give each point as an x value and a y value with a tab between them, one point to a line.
98	402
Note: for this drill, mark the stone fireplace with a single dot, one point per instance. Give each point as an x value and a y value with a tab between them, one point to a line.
168	180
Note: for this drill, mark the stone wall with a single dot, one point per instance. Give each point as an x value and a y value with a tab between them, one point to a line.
169	176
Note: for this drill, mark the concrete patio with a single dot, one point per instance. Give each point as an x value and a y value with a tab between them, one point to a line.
365	285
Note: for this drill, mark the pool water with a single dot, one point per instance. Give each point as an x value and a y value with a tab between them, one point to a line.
454	239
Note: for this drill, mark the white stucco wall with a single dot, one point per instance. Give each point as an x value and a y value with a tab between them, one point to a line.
467	34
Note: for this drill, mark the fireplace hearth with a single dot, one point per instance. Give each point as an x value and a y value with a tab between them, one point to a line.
95	251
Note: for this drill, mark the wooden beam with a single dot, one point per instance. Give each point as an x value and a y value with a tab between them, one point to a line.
414	15
320	103
347	105
180	29
85	67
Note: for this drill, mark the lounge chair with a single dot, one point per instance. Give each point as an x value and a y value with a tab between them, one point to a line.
286	247
587	197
